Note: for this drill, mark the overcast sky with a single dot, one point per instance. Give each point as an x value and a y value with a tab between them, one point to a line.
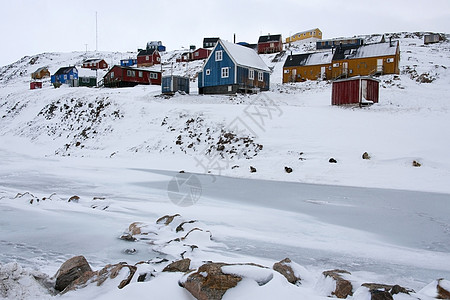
30	27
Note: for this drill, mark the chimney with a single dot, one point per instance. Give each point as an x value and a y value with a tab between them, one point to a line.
390	41
291	54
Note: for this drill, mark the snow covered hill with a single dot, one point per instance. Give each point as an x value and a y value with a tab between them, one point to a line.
293	125
121	152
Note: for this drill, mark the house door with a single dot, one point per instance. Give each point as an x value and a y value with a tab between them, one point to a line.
344	68
380	65
294	74
322	72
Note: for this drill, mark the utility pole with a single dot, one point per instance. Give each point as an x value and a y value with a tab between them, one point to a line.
86	48
96	33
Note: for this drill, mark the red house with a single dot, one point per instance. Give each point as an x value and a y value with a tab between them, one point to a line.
95	64
35	85
355	90
200	53
120	76
270	44
148	58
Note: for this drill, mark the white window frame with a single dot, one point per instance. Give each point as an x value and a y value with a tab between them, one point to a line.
390	60
286	71
147	57
336	65
112	75
140	74
208	72
260	76
131	73
225	72
153	76
219	55
251	74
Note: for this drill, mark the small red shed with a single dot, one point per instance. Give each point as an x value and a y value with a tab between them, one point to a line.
120	76
270	44
355	90
35	85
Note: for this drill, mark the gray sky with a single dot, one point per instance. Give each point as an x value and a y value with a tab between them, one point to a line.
30	27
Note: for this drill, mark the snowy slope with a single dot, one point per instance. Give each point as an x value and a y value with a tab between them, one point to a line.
118	149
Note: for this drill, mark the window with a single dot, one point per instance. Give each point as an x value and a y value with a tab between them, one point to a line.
158	58
272	45
260	76
153	76
112	75
251	74
225	72
196	54
140	74
131	73
147	57
336	65
65	77
208	71
389	60
286	71
219	56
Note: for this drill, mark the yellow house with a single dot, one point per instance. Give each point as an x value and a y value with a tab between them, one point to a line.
313	33
343	62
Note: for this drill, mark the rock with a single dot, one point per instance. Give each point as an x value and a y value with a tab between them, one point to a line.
128	237
393	289
288	169
284	268
209	282
135	228
178	266
74	199
252	169
166	219
332	161
443	293
180	227
415	163
380	295
344	287
99	277
70	271
366	155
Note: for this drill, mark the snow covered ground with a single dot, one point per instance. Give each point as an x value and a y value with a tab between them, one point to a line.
118	149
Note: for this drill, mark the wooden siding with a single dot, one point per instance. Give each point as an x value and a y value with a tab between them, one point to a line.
270	47
118	77
303	73
353	91
215	69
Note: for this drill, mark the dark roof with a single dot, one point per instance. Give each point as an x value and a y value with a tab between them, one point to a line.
210	40
269	38
64	70
296	60
92	60
146	52
135	69
343	51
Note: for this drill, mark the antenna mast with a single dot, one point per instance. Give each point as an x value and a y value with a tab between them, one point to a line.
96	33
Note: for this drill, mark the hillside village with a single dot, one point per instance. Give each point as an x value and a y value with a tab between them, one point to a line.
229	68
321	163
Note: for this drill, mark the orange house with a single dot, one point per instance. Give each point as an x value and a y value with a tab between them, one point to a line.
343	62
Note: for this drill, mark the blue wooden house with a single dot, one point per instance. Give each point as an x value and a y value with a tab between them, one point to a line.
65	75
128	62
232	68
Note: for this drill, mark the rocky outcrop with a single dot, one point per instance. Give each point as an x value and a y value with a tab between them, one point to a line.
332	161
288	169
344	287
284	268
70	271
443	293
181	228
392	289
178	266
365	155
166	220
209	282
252	169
